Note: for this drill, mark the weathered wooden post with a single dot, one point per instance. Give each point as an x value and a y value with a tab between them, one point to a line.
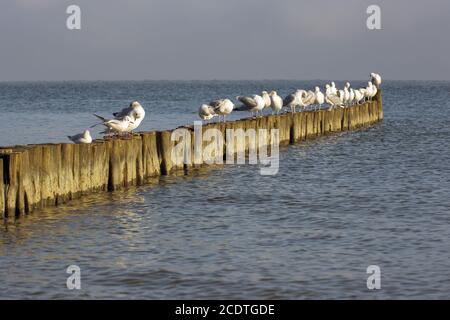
296	131
150	159
2	191
379	99
100	165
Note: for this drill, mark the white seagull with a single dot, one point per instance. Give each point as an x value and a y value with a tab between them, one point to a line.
352	96
267	100
222	107
374	91
134	111
84	137
276	103
320	97
307	98
346	97
333	100
359	96
206	112
376	79
333	88
371	91
115	125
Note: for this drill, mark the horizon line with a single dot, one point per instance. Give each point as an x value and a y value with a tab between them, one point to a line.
187	80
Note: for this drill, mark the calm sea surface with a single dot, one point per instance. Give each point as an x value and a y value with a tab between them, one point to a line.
340	203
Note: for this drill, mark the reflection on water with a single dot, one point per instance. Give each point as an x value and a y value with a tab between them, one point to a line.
338	204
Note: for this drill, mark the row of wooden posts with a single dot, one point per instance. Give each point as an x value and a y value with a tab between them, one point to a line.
40	175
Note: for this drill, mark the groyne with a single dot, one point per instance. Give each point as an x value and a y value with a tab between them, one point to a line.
41	175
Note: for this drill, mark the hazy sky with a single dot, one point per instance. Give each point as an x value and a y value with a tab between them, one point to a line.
223	39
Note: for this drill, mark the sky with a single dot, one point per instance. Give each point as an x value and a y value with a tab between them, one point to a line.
223	39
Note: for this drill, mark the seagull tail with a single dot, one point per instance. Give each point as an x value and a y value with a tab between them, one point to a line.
100	117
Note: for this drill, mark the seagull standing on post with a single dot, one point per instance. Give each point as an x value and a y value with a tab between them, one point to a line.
267	100
320	97
252	104
276	102
206	112
376	79
291	101
134	111
115	125
222	107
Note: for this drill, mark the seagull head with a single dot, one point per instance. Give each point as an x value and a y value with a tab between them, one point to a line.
86	133
272	93
318	89
135	104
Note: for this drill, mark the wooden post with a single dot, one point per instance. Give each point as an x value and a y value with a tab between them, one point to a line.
150	159
296	131
379	99
309	121
2	191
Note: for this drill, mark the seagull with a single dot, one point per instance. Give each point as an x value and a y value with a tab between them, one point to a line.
341	95
134	111
359	95
307	98
352	96
267	100
300	98
222	107
206	112
84	137
333	100
364	93
291	101
276	102
371	90
333	88
320	97
254	103
376	79
116	125
346	96
374	91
